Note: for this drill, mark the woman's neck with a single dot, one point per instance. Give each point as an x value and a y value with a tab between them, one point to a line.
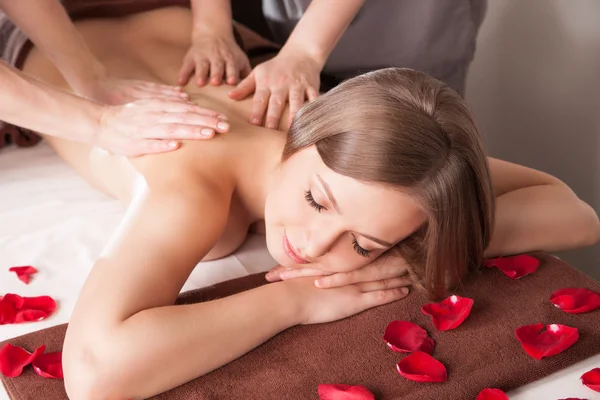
259	159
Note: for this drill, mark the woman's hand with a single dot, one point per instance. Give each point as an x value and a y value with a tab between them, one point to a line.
390	271
214	56
290	76
319	306
154	126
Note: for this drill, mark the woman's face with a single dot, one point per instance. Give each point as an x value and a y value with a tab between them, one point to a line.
316	218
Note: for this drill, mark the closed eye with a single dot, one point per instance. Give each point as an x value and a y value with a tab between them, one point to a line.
358	249
311	201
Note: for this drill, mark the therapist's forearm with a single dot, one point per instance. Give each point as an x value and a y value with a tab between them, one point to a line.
546	217
321	27
31	104
47	24
211	16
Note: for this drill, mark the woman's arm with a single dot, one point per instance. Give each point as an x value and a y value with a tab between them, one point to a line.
535	211
126	339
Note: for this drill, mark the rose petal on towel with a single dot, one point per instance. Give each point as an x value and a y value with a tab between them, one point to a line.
15	309
591	379
406	337
449	313
14	358
576	300
49	365
421	367
491	394
24	273
344	392
540	343
514	267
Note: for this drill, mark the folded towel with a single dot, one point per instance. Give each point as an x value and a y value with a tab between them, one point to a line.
482	352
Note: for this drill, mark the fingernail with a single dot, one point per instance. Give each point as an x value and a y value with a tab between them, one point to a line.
268	276
320	282
404	290
184	95
206	132
223	126
271	125
256	121
172	144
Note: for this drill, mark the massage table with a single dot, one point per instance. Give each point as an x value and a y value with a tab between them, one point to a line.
52	219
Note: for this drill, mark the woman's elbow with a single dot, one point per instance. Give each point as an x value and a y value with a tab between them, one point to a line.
590	232
87	373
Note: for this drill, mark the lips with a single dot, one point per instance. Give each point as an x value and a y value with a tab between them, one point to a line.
290	252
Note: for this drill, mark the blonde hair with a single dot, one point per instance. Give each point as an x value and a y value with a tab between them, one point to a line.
402	128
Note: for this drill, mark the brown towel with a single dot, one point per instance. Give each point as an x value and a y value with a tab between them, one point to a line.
482	352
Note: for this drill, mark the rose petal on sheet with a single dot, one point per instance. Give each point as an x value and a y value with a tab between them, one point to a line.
491	394
514	267
406	337
344	392
541	341
14	358
421	367
591	379
15	309
24	273
576	300
35	309
449	313
48	365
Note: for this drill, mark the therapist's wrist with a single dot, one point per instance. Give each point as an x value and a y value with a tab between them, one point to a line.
315	54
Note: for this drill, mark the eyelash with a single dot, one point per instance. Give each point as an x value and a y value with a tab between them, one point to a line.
311	202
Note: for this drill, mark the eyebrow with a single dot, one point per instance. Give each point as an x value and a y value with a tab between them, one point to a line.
337	208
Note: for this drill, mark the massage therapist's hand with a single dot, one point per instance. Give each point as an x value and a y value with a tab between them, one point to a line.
154	126
291	76
213	56
318	306
388	270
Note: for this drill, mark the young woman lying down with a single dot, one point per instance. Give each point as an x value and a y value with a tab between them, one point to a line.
388	163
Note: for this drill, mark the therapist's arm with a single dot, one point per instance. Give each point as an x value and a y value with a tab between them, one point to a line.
47	25
293	75
132	129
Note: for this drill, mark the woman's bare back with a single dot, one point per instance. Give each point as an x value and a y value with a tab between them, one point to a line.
150	46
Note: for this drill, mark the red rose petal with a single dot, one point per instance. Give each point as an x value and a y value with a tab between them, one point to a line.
13	359
48	365
406	337
344	392
449	313
421	367
514	267
591	379
539	344
491	394
15	309
24	273
576	300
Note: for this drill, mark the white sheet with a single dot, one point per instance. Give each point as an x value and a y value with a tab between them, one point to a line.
51	219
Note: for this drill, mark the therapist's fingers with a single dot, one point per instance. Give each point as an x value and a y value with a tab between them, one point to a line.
193	119
296	102
260	102
186	71
180	132
244	89
312	93
201	71
231	72
275	108
217	70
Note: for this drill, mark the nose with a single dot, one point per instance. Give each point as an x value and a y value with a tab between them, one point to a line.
318	240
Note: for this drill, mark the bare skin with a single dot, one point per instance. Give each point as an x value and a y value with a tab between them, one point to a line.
198	203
